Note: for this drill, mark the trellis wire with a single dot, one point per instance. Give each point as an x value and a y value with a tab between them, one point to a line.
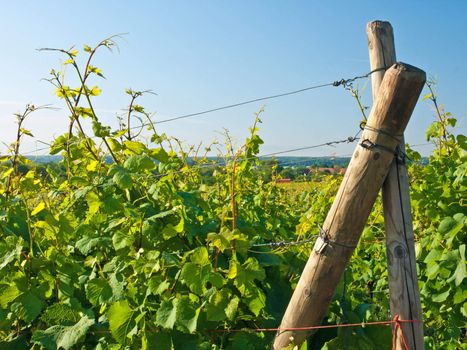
342	82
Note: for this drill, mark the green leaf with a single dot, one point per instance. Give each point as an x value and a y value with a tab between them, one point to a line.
84	112
187	315
167	313
461	271
139	163
95	91
460	296
159	154
26	132
232	307
94	202
161	215
253	269
122	240
121	320
245	274
98	291
8	293
123	179
87	244
60	313
114	144
266	259
200	256
451	122
11	250
112	204
196	277
216	308
256	301
170	231
432	270
79	181
462	141
63	337
220	240
439	298
38	209
464	309
133	147
117	283
450	226
215	279
58	144
100	130
433	256
157	285
28	307
427	96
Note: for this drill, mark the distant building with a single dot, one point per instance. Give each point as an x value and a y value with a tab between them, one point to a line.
280	181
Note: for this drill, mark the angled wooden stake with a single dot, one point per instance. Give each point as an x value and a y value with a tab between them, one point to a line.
402	270
349	212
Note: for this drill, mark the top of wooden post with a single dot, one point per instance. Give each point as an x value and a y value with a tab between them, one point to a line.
410	72
403	79
378	25
381	49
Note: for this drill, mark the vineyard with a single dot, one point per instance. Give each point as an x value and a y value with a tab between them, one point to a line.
128	243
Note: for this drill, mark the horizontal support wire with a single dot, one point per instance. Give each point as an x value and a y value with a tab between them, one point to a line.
276	246
259	157
281	244
336	83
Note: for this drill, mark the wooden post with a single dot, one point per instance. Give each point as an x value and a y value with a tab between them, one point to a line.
402	270
346	219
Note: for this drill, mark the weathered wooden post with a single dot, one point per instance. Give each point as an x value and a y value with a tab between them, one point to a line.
346	219
402	270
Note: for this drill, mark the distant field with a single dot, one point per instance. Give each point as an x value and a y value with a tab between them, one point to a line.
296	187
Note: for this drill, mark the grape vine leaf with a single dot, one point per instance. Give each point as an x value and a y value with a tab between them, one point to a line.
139	163
98	291
167	313
121	320
63	337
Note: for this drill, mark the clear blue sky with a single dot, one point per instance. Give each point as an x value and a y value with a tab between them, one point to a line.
202	54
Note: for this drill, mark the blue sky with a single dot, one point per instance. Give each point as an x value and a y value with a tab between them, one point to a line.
203	54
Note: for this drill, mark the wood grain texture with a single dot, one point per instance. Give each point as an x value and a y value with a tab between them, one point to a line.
382	51
402	272
349	212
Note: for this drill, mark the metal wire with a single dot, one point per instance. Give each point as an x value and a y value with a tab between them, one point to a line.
349	139
343	82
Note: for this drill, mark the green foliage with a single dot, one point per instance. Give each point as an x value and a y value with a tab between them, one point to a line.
438	203
63	337
151	251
